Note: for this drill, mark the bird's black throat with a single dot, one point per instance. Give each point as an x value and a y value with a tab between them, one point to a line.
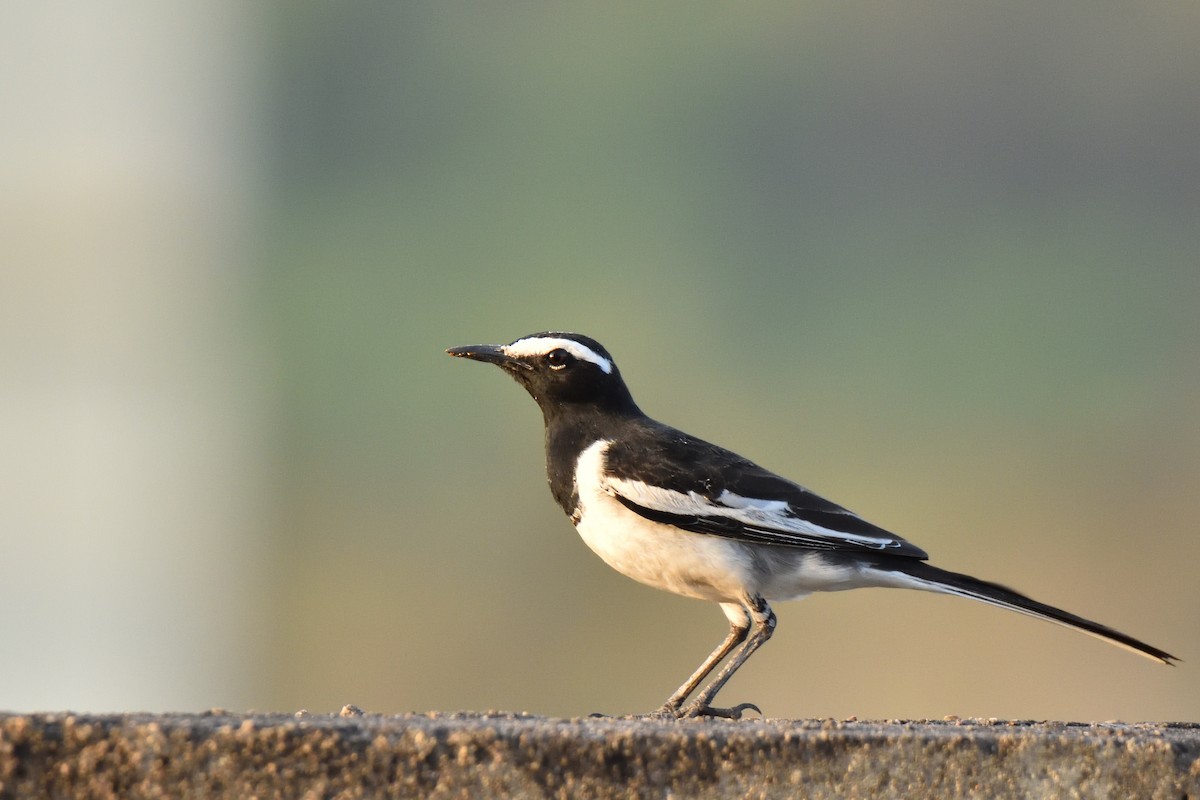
569	431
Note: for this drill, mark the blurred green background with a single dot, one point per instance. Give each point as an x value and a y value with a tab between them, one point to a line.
938	261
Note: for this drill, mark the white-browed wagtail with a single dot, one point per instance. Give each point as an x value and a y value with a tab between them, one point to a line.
678	513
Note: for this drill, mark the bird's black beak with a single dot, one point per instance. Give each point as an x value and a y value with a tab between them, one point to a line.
493	354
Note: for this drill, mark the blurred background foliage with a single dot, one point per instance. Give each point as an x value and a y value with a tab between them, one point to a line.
938	261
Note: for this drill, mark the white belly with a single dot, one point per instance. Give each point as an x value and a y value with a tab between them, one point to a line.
662	556
700	565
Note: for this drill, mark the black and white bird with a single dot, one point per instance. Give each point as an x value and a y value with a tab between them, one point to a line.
678	513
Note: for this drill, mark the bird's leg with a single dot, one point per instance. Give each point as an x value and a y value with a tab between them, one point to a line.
763	619
739	626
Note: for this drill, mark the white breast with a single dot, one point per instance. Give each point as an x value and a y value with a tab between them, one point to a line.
695	564
662	556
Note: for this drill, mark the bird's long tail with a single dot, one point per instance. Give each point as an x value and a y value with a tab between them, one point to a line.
915	574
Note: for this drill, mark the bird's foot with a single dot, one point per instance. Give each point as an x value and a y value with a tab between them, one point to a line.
695	711
666	712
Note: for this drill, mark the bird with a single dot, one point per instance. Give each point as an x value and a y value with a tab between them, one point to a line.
678	513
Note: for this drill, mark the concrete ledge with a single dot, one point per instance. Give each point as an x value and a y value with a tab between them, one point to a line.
490	755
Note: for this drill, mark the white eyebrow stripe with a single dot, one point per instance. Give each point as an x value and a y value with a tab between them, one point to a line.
540	345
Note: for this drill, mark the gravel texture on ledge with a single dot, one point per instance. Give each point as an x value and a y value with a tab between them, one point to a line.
223	755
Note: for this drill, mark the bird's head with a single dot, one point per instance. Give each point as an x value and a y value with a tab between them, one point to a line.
560	370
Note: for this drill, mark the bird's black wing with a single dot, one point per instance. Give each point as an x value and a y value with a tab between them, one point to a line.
667	476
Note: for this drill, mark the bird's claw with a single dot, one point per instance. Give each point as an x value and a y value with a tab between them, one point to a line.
693	711
666	712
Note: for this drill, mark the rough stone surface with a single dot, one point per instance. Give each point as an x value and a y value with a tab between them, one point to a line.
353	755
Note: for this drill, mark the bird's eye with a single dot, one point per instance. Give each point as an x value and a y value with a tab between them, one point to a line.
559	359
